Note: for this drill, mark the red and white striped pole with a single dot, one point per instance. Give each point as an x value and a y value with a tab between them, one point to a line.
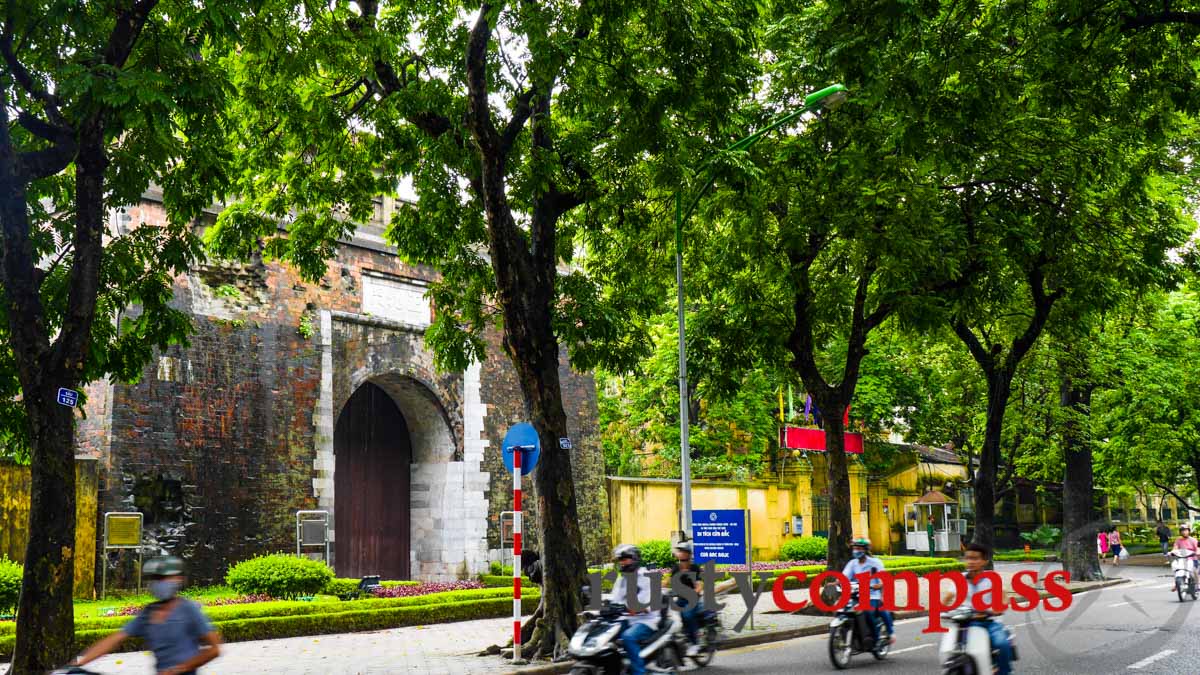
517	452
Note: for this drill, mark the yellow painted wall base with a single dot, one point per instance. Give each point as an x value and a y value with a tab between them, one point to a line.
14	519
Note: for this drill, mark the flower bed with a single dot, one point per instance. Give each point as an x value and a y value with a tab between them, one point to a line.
426	589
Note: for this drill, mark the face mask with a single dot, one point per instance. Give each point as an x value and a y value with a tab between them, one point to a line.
164	589
859	554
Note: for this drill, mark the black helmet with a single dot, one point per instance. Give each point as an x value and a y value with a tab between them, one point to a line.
163	566
627	551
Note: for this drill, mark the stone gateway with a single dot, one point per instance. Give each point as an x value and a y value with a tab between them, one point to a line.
293	396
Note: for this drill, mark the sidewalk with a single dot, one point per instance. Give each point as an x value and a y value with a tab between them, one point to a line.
452	647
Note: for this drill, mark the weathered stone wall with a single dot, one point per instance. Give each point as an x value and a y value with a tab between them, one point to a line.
14	519
506	407
225	438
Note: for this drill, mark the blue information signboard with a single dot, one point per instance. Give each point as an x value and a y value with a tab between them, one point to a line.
719	535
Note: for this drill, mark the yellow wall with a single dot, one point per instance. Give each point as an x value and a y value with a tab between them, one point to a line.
648	508
14	519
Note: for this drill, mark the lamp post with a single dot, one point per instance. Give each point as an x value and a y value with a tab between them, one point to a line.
829	97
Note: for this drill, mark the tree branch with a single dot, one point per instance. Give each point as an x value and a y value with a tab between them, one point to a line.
479	114
22	76
1174	494
982	356
126	32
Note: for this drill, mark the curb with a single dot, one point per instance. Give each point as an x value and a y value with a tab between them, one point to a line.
787	634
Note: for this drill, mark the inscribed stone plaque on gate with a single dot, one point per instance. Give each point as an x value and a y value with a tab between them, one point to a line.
124	531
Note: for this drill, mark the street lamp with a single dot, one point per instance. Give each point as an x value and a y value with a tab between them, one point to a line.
829	98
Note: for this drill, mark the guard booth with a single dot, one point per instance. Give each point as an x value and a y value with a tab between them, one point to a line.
936	509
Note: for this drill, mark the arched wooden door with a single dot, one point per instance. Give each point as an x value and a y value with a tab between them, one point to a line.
373	453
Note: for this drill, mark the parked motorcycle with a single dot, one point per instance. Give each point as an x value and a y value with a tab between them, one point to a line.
598	650
966	649
1182	561
850	633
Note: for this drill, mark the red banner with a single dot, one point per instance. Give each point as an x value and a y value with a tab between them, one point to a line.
813	440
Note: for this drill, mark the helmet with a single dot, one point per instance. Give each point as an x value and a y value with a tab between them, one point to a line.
627	551
683	546
861	541
163	566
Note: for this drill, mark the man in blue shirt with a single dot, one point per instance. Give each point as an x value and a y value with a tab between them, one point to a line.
863	563
174	628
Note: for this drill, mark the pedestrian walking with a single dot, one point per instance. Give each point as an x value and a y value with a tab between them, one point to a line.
1114	545
1102	544
1164	537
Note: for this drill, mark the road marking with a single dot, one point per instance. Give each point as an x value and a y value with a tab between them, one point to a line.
909	649
1151	659
1121	604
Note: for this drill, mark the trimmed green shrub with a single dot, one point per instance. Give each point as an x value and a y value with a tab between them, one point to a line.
393	584
657	553
323	623
279	576
344	589
10	585
805	548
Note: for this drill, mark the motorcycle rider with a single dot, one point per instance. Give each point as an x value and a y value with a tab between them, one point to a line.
174	628
976	558
688	573
1188	542
641	624
862	562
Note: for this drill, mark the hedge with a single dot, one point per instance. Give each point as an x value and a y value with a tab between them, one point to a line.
279	575
269	628
282	608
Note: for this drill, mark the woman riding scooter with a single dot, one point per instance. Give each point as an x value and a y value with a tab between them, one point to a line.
1188	542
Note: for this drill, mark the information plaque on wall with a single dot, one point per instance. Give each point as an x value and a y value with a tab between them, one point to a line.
122	530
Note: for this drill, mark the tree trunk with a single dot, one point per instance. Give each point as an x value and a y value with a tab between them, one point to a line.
999	384
1080	522
841	528
45	620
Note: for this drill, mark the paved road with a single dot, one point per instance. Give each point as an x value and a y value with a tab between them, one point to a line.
1133	628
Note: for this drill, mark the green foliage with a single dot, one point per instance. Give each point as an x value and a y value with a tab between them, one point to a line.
306	328
279	576
731	434
1044	536
804	548
10	585
657	553
228	291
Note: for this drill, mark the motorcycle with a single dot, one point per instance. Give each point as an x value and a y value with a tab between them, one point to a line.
598	650
966	649
850	634
707	637
1182	561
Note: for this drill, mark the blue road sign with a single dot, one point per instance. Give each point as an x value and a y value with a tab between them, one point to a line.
719	535
68	397
525	437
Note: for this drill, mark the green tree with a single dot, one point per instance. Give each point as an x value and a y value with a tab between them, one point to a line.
1147	413
528	130
96	101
